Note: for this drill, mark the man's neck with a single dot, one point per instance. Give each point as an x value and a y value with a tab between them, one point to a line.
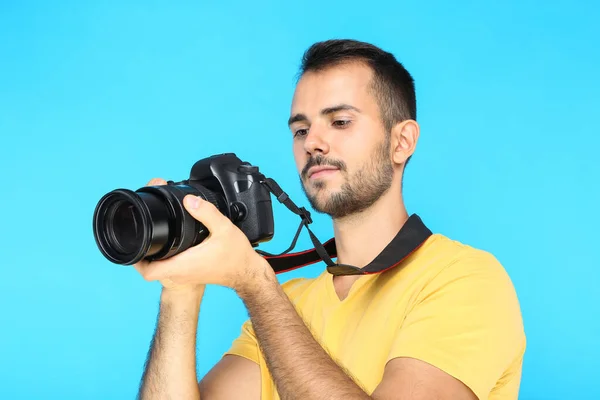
360	238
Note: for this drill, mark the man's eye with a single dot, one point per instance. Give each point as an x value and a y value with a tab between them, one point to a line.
301	132
341	123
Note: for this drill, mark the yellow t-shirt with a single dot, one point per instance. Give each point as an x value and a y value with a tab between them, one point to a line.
449	304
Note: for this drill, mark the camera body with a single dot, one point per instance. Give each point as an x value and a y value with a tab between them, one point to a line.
152	223
248	201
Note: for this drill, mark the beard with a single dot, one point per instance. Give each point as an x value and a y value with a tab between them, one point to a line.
359	191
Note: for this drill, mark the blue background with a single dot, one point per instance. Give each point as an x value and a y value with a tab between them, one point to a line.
100	95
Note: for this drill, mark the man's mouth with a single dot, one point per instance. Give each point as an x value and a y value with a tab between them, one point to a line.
321	171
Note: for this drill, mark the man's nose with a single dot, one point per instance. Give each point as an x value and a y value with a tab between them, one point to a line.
316	141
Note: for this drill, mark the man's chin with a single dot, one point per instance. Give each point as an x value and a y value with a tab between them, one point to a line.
318	195
321	203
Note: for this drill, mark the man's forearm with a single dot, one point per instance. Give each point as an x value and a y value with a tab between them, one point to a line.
300	367
170	371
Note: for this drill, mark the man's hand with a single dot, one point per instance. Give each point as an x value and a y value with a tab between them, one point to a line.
224	258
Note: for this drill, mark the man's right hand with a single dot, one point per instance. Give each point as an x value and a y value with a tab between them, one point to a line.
167	284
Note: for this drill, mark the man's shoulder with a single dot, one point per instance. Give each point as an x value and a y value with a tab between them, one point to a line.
469	272
455	255
444	264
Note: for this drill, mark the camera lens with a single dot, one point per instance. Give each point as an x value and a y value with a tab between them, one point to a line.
150	223
125	220
129	226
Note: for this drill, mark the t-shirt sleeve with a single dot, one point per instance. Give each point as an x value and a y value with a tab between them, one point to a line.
246	345
467	322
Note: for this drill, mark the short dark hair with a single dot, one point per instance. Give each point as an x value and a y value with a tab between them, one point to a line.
392	85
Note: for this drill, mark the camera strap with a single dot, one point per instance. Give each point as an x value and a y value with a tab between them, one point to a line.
412	235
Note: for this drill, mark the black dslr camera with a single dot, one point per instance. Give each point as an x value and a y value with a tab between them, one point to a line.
152	223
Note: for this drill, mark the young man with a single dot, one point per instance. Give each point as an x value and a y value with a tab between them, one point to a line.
433	318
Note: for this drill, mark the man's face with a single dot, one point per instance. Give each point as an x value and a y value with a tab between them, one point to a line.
341	149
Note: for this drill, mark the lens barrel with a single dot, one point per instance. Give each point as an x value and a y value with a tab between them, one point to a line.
150	223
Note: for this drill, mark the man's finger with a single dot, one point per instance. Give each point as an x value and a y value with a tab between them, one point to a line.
156	182
153	271
206	213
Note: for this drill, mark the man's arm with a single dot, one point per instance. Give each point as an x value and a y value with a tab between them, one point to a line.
412	379
232	378
302	369
170	370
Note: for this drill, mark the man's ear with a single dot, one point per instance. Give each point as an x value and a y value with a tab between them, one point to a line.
404	137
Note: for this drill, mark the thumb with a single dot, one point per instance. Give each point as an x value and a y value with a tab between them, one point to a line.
205	212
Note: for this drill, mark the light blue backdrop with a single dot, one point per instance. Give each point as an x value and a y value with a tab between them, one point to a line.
95	96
